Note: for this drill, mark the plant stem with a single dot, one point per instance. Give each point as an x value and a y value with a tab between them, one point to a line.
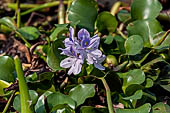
23	89
108	94
9	102
46	5
115	8
61	13
26	42
120	32
18	14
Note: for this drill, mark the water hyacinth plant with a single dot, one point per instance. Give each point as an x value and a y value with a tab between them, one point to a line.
79	49
98	56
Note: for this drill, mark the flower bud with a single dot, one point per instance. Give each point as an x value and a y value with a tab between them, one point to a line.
111	61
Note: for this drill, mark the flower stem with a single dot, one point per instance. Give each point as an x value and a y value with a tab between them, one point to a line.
9	102
23	89
108	94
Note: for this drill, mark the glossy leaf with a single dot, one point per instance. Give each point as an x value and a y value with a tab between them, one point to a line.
53	56
7	21
81	92
90	109
84	11
7	69
133	45
144	9
135	76
137	95
161	108
29	33
106	23
146	108
146	29
39	107
58	98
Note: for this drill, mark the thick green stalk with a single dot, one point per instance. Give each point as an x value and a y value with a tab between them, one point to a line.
9	102
23	89
46	5
108	94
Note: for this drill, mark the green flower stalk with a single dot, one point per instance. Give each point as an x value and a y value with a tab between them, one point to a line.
23	89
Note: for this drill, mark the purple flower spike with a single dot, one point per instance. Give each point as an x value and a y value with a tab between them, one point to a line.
83	33
78	50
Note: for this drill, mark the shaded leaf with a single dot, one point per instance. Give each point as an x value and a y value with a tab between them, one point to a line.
106	23
142	109
81	92
84	11
53	56
90	109
7	68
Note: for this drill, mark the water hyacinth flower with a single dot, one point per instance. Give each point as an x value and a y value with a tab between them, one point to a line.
79	49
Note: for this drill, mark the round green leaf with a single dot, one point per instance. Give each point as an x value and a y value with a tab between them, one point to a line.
136	76
58	98
29	33
84	11
81	92
7	68
146	29
133	45
39	107
144	9
106	22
